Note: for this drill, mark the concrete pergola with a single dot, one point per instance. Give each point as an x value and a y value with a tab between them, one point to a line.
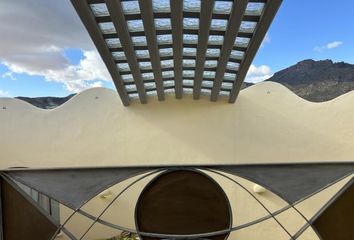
158	47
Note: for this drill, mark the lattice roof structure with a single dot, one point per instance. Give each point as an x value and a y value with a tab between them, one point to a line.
154	47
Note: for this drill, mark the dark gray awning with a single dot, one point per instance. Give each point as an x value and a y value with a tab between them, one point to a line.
292	182
73	187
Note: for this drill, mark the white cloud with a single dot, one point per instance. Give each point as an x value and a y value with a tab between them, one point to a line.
36	33
258	74
334	44
266	40
88	73
9	75
4	93
330	45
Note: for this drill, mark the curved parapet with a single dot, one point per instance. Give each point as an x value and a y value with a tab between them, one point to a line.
268	124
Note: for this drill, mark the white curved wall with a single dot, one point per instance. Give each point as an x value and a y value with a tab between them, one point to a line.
268	123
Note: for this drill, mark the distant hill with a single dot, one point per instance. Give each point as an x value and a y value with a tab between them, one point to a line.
315	81
46	102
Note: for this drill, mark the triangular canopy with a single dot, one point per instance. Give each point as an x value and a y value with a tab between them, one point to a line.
292	182
73	187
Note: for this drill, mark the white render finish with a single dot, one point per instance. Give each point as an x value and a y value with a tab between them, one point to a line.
269	124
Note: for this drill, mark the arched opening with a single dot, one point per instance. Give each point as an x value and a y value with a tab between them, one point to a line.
183	202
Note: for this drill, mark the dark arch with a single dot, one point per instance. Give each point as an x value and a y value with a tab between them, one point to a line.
336	219
183	202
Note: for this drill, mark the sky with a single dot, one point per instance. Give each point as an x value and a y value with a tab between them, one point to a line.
46	51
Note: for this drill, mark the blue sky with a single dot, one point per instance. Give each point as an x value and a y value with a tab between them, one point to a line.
302	29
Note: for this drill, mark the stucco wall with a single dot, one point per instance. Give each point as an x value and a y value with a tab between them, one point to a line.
268	123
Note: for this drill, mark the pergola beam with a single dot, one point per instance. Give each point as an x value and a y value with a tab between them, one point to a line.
147	16
267	17
238	9
87	17
177	39
203	36
102	19
120	24
119	33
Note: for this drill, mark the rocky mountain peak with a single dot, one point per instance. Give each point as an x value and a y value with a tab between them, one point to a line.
317	80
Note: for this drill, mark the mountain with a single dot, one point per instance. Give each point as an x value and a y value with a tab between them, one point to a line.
46	102
317	81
